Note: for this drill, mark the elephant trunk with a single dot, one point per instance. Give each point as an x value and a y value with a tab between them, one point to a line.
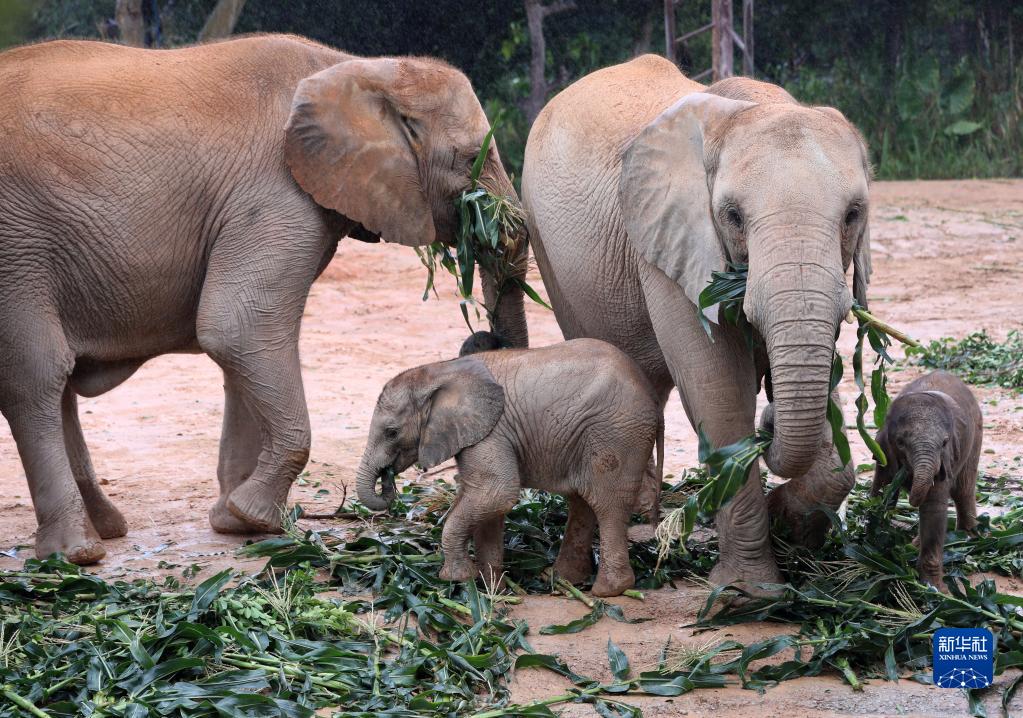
796	301
366	480
925	468
503	294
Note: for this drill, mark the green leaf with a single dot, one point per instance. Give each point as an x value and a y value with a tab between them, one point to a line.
618	660
531	293
577	625
727	288
961	128
960	96
551	663
477	165
206	591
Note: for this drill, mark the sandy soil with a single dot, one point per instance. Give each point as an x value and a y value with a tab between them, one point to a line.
948	259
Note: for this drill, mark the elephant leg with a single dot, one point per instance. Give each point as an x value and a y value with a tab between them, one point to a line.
933	528
614	573
575	559
240	446
488	487
270	382
105	517
248	322
488	540
964	493
36	363
717	384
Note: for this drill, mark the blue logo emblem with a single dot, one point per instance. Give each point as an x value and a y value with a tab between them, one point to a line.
964	658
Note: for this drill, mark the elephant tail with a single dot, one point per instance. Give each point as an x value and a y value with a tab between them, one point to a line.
655	510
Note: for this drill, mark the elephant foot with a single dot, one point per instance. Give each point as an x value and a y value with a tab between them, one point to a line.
748	578
806	524
457	570
574	569
612	583
224	522
77	540
107	519
258	507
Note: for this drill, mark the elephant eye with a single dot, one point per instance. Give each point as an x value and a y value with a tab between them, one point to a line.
852	215
391	433
734	217
410	126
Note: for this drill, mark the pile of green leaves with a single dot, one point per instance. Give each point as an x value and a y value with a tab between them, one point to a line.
977	358
856	607
490	234
72	644
356	618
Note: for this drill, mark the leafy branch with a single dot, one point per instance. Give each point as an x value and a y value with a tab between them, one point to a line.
491	233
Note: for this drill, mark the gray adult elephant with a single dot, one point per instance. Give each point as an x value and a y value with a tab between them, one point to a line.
639	183
156	201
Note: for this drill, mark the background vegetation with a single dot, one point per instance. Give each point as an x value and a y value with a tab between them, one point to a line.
934	86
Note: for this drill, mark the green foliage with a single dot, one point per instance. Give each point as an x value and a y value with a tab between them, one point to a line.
727	468
856	605
73	644
977	358
936	90
728	289
15	21
490	232
76	645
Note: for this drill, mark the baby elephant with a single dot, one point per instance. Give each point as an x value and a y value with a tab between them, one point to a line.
934	430
577	418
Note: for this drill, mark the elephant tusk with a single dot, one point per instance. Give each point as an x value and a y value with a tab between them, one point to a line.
850	318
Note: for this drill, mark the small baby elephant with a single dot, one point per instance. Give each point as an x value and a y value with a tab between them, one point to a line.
934	430
577	418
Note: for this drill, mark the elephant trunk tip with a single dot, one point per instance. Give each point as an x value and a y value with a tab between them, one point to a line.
366	485
921	487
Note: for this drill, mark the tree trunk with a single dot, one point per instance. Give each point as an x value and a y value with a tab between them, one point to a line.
645	36
536	11
221	22
128	14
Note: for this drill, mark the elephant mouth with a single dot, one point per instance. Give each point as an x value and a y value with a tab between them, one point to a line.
386	477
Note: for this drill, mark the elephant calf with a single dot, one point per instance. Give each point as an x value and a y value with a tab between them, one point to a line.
934	431
577	418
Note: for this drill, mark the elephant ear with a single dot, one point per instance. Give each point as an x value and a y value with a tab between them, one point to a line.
861	266
665	194
464	407
346	146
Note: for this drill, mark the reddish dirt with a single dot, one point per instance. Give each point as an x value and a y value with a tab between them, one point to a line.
948	259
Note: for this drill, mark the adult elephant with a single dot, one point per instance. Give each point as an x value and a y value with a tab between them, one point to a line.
639	183
156	201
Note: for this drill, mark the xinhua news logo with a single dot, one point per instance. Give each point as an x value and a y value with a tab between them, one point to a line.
964	658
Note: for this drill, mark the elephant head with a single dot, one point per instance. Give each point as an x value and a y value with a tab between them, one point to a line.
427	415
783	188
389	143
920	435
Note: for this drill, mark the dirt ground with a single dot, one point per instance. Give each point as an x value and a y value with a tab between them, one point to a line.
948	259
